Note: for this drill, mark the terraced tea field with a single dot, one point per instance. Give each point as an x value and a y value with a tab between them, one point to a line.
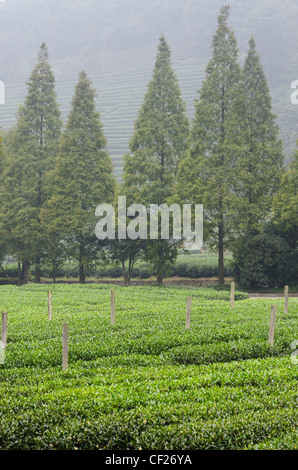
121	81
146	382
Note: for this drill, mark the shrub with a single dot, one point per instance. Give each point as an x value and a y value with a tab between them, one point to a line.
144	273
265	259
195	266
114	271
8	280
11	270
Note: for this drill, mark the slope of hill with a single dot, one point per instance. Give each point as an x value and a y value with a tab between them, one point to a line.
121	85
115	42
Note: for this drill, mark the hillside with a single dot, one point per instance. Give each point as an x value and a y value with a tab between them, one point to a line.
115	42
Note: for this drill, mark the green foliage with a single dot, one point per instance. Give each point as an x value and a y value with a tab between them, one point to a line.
233	165
157	144
234	162
160	136
195	266
205	169
117	40
285	205
265	258
126	253
31	150
146	383
3	242
82	179
4	281
188	266
258	164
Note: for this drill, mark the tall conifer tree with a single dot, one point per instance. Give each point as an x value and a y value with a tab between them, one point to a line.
3	238
31	151
15	209
82	179
259	162
205	169
158	142
285	203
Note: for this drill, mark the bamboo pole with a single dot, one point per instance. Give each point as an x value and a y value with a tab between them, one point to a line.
232	294
49	305
65	347
4	330
272	325
286	308
188	313
113	302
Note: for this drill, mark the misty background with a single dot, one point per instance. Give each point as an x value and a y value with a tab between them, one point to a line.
115	42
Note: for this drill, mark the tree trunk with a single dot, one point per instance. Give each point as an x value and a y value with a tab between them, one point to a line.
3	271
19	273
131	263
221	278
160	265
37	271
25	270
160	277
124	273
82	273
54	270
82	266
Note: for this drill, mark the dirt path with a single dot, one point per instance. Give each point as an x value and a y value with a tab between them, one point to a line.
270	296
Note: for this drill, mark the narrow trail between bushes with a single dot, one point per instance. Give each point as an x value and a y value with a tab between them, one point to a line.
270	296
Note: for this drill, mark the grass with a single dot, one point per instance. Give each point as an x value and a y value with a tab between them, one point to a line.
146	383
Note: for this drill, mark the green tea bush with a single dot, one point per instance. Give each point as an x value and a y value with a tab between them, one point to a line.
186	266
199	265
8	280
146	382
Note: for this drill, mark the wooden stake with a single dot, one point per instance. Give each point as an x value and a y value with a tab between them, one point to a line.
188	313
4	329
113	319
272	324
49	305
286	299
65	347
232	294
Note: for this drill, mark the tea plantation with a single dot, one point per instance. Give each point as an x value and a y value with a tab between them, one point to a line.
147	382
